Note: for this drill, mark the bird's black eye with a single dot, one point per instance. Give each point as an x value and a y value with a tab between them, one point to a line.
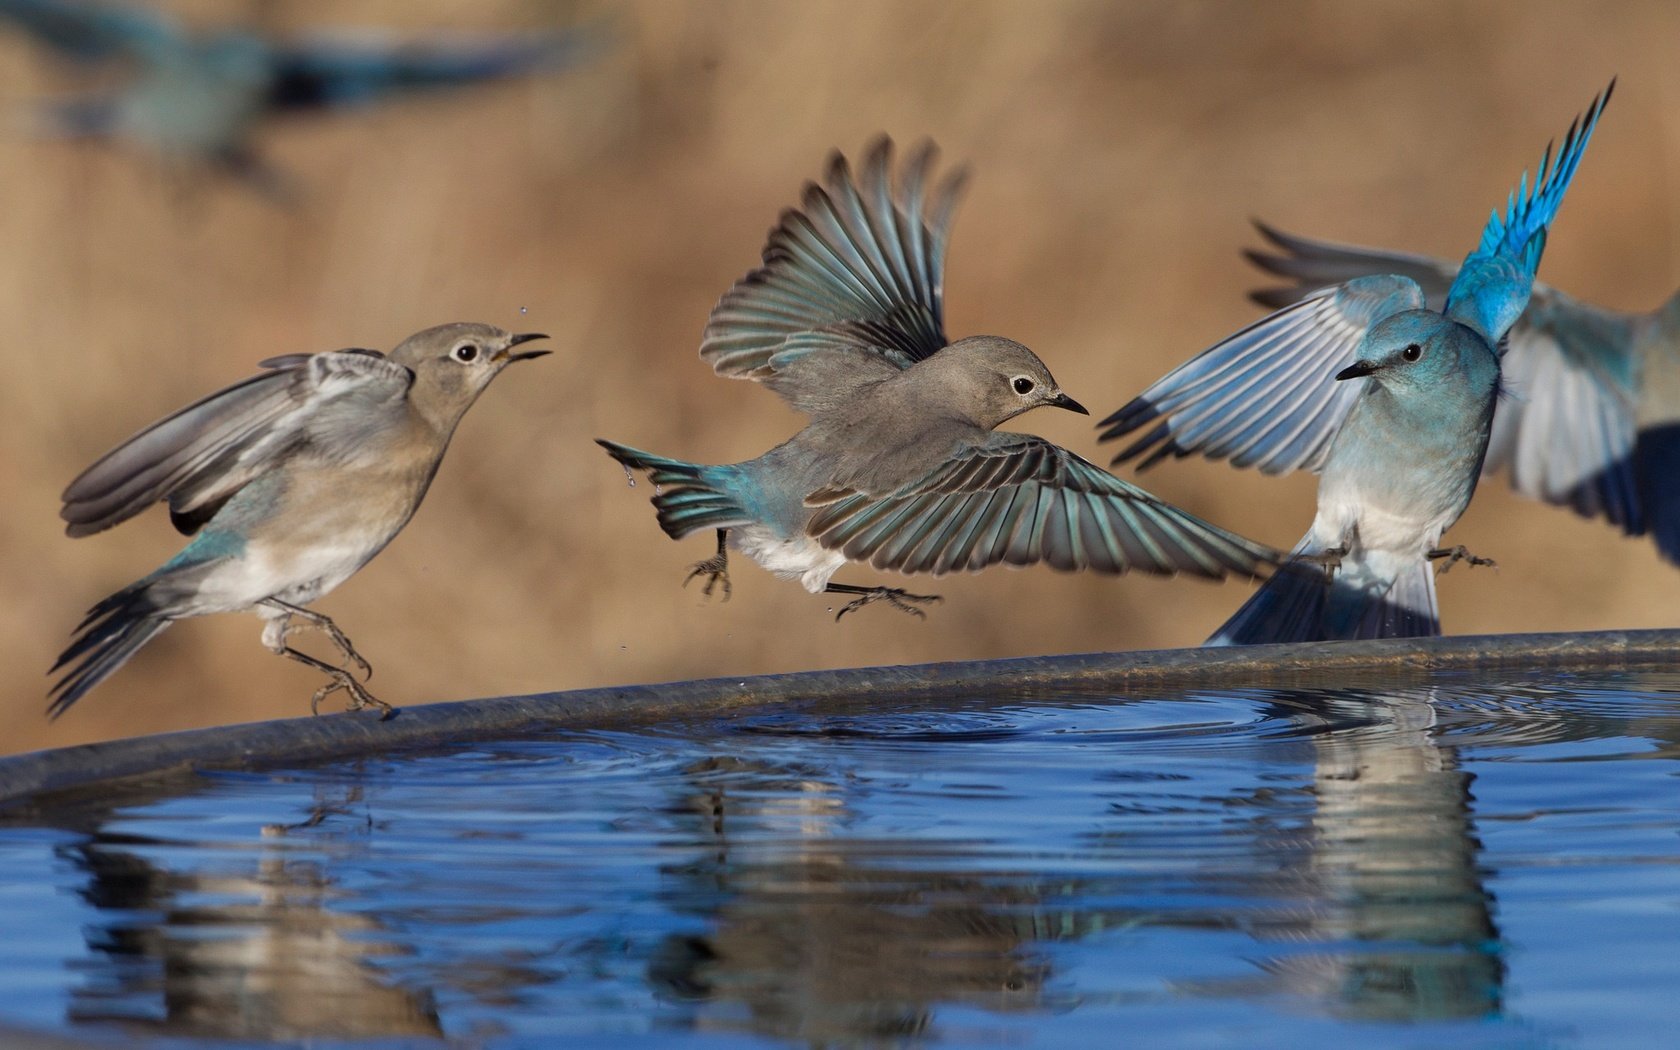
466	352
1412	352
1022	385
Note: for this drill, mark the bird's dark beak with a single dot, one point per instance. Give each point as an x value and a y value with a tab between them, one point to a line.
526	337
1063	401
1357	369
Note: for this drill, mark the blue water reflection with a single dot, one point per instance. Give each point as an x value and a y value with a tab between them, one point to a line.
1467	864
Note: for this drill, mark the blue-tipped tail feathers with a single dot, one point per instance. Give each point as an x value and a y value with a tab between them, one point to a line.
1303	602
686	495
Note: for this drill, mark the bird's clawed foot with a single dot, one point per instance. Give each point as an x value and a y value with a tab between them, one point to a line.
716	571
715	568
898	598
359	695
1329	559
340	679
1454	555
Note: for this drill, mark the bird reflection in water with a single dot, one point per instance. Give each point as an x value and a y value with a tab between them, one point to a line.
271	953
1335	847
816	934
822	937
1387	872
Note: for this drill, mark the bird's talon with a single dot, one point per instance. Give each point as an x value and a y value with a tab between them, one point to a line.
1450	556
361	699
340	639
1329	559
359	696
322	693
716	571
897	598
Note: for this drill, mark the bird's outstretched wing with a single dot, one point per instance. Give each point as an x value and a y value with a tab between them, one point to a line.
1266	397
1315	265
203	454
1020	499
89	32
325	72
857	267
1567	426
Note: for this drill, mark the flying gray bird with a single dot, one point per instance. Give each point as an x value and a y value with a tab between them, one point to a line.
900	466
288	483
201	97
1592	420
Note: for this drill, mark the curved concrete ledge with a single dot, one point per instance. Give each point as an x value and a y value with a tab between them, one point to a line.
32	781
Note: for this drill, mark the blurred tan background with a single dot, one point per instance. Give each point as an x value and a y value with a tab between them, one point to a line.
1118	152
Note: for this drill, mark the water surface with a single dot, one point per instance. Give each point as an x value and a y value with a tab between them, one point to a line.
1481	864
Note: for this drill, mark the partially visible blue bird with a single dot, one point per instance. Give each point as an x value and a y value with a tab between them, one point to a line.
1593	420
200	98
900	466
1391	401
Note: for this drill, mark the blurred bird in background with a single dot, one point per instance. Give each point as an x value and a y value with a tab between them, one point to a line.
288	483
1390	400
198	100
1591	420
900	466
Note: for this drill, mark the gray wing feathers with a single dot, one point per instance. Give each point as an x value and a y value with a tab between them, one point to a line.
208	450
1266	397
1314	264
1022	500
856	262
169	454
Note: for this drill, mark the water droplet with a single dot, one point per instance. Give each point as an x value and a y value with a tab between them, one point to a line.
658	490
524	309
631	478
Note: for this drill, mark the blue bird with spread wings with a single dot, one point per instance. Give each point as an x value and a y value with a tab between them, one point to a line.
200	97
1390	400
1592	422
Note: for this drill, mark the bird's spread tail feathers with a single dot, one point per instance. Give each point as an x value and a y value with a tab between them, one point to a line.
112	632
1304	603
1520	232
1494	283
686	495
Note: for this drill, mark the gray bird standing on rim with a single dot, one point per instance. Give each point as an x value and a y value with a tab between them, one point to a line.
291	480
899	466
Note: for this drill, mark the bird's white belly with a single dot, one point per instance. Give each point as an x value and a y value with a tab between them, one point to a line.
1369	525
802	557
294	576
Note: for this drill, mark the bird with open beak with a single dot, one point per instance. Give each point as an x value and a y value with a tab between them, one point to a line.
288	482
